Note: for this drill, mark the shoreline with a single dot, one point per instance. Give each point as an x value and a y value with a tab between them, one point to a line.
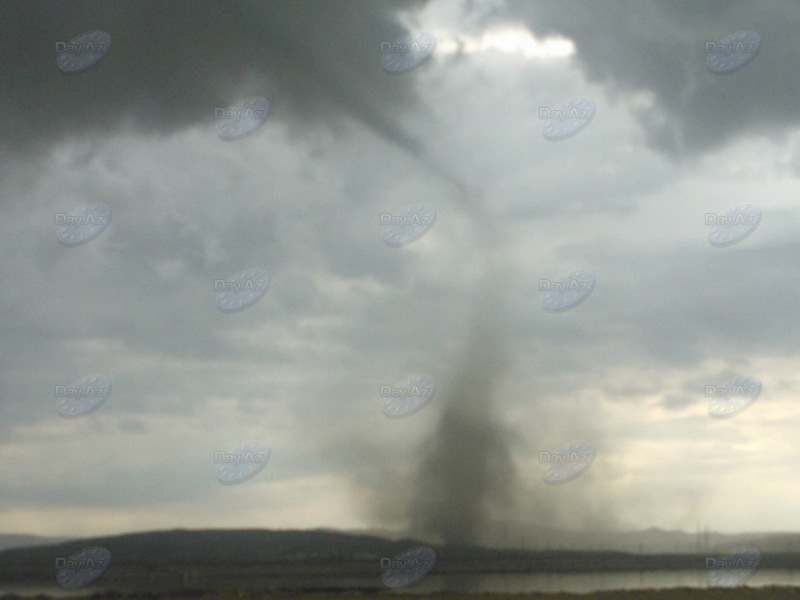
680	593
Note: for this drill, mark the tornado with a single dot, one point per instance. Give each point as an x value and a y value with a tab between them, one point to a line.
466	473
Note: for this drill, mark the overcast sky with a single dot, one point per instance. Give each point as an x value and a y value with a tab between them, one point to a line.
345	313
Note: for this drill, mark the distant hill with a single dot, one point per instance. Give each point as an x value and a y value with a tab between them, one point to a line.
327	543
248	559
196	547
8	541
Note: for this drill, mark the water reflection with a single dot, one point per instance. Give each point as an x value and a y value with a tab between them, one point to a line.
512	583
584	583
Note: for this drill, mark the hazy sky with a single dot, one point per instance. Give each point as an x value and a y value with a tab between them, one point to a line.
301	198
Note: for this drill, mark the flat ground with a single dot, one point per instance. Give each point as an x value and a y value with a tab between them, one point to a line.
771	593
742	593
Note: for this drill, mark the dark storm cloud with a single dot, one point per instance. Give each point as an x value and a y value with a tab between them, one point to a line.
171	63
168	67
659	47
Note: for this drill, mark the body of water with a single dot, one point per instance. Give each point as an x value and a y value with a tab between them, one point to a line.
513	583
583	583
